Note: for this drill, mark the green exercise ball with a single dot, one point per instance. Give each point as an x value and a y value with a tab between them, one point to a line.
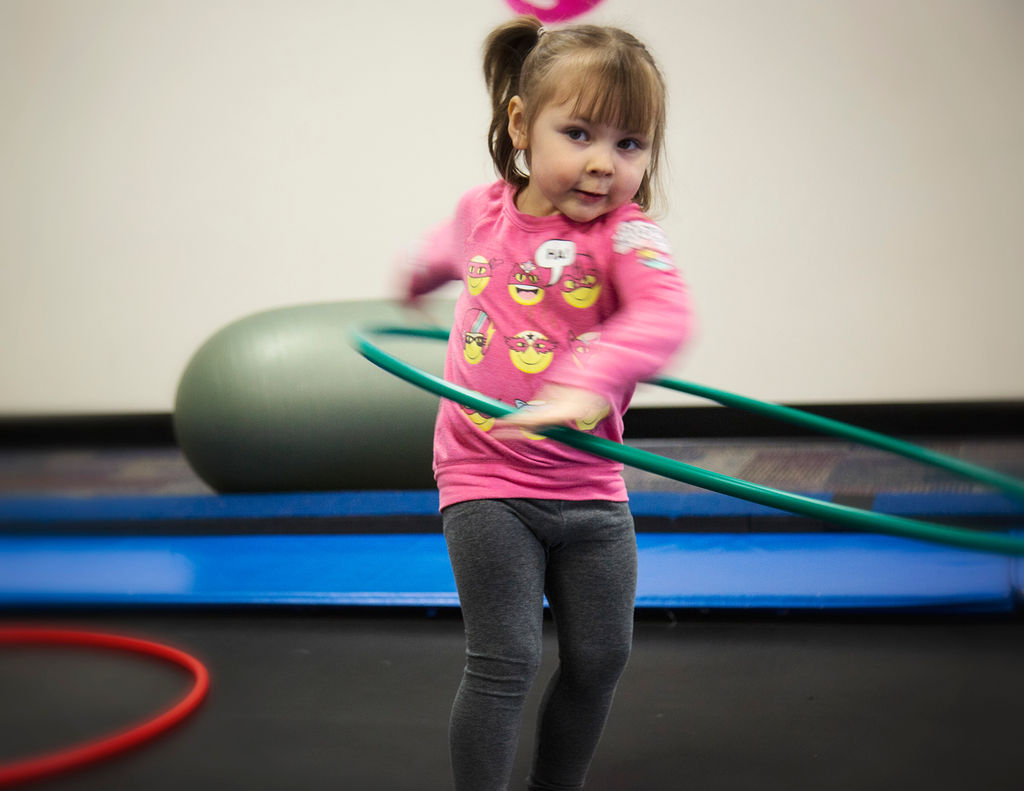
279	401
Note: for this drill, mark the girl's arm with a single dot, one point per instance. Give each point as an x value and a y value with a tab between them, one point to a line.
561	404
428	266
652	319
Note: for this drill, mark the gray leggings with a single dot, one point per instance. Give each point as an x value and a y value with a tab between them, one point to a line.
506	555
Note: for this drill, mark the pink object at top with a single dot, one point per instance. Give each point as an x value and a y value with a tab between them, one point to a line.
598	306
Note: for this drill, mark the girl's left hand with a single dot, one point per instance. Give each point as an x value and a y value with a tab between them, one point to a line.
559	404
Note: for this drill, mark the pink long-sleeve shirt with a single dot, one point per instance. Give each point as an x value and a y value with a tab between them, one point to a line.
598	306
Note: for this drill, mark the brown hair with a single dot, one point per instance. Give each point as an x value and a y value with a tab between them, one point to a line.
610	72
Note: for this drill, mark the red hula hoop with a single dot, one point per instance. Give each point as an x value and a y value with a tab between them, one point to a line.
23	770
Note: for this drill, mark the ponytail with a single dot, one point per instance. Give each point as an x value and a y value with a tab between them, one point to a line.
505	51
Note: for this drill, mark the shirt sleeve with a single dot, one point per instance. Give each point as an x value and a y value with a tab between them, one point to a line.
651	320
433	262
439	258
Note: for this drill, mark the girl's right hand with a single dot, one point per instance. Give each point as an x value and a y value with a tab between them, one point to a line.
557	405
406	296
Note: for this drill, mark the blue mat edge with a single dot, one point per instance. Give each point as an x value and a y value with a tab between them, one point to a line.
990	583
29	509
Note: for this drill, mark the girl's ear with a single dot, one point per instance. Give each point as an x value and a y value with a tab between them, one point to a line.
517	123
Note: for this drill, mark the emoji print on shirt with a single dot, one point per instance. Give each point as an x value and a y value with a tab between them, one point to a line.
477	329
524	284
478	274
589	421
649	242
580	286
478	419
530	351
555	256
582	346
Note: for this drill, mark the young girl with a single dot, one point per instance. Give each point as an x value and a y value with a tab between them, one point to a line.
570	299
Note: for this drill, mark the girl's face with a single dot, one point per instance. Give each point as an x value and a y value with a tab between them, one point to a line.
578	167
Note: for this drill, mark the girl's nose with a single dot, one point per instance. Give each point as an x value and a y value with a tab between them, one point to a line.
600	162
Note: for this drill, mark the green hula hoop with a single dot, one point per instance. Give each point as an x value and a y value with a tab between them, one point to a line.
725	484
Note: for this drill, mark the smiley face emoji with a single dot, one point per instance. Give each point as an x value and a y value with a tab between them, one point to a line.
580	287
583	346
524	284
589	422
478	274
481	421
531	352
476	336
474	344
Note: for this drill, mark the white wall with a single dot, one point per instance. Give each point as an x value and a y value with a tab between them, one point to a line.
846	182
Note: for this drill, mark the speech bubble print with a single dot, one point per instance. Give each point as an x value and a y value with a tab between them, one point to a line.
555	255
553	10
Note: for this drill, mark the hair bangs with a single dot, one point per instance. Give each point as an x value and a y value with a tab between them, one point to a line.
620	91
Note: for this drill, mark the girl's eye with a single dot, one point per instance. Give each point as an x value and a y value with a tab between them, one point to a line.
630	144
576	134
